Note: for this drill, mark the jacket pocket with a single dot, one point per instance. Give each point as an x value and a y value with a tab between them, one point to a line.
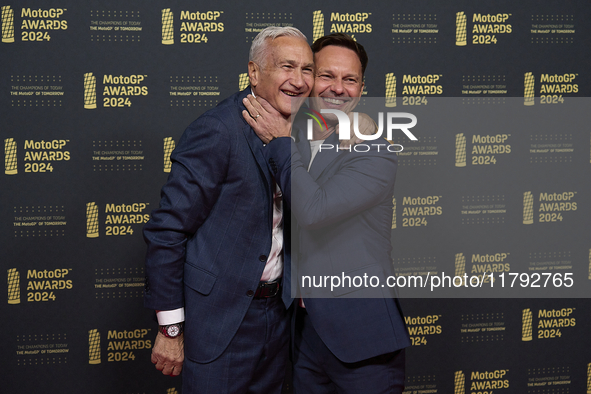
198	279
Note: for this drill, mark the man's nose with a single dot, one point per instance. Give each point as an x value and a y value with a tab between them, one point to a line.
337	86
298	79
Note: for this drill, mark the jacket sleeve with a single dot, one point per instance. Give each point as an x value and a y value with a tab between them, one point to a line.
199	166
361	181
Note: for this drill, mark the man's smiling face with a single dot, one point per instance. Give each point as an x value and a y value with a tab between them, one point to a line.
339	80
287	72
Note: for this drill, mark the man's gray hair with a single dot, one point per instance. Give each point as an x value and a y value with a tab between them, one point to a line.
258	49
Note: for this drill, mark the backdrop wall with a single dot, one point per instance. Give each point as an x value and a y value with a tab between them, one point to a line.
94	96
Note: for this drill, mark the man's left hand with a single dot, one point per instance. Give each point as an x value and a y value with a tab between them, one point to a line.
265	120
168	354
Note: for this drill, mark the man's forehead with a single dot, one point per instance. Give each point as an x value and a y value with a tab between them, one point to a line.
324	60
286	48
294	60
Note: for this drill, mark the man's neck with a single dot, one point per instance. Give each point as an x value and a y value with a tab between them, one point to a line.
255	96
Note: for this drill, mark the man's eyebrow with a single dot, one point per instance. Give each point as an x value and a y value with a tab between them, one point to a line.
295	63
353	75
325	71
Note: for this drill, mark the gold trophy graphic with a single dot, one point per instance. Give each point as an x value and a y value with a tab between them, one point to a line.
460	267
460	150
528	208
92	228
89	91
459	383
7	24
10	162
243	81
390	90
528	91
317	25
168	148
393	213
14	291
167	28
94	347
526	325
461	29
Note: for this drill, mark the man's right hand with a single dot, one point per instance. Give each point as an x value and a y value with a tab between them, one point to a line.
168	354
266	121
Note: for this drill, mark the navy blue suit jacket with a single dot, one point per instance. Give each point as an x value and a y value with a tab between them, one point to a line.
343	210
209	239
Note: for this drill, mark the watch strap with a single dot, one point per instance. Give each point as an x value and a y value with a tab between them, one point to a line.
165	329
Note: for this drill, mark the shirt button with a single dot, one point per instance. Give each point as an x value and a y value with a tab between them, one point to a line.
263	258
250	293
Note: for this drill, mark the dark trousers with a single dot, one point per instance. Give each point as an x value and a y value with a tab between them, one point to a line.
254	361
318	371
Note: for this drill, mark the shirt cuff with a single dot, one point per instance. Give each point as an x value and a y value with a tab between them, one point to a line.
170	317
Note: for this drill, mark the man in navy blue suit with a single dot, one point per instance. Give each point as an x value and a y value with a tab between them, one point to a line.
215	258
342	203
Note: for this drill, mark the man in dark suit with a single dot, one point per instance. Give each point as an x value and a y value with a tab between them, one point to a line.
215	255
342	202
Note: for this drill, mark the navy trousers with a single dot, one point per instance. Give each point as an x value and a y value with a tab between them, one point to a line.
253	363
318	371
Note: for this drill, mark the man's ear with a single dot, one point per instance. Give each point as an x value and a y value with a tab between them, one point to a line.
253	73
362	87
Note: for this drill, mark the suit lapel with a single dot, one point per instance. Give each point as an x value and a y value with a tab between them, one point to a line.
303	146
255	144
325	157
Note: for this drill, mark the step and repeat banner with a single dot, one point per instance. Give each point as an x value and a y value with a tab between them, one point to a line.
95	95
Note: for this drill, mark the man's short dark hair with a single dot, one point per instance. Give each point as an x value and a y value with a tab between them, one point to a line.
345	41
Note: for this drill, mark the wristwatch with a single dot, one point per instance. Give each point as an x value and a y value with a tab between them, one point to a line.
171	330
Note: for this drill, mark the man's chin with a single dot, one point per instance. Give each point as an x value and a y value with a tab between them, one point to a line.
294	104
286	111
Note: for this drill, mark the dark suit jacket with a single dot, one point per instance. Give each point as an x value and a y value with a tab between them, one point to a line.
209	239
343	210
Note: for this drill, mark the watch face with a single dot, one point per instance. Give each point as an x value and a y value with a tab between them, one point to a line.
173	330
